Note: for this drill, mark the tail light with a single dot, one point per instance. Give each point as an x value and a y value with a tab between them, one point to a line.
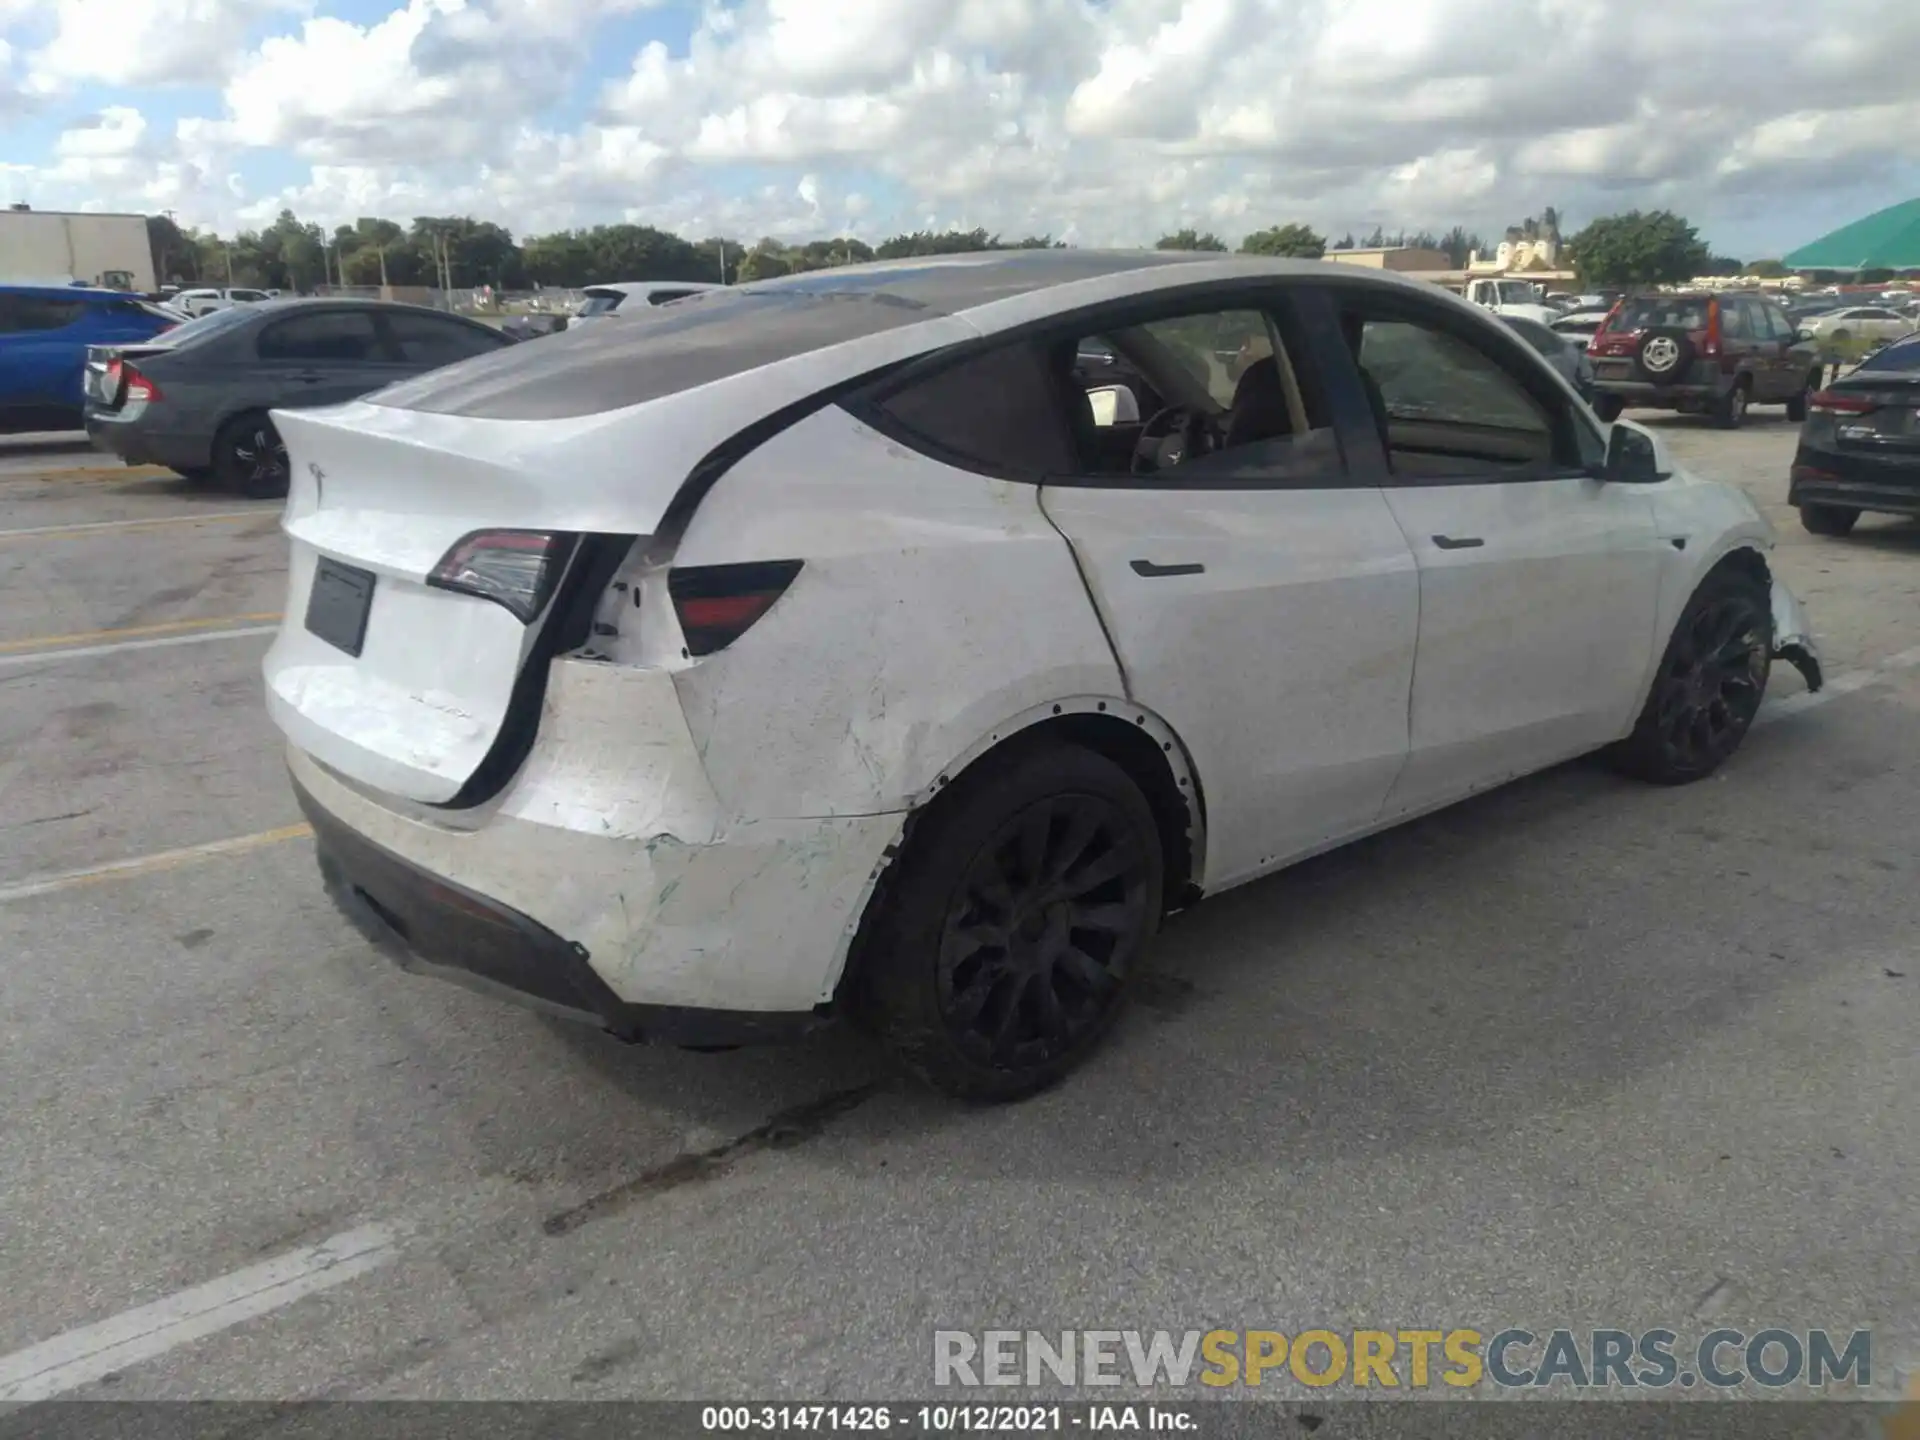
517	569
1709	339
139	387
717	604
1832	402
1593	345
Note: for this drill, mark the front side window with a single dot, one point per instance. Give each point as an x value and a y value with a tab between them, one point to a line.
340	335
1733	320
1446	406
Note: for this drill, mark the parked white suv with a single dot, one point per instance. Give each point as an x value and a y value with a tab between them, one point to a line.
813	649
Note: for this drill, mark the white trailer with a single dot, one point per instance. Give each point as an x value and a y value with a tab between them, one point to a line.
58	247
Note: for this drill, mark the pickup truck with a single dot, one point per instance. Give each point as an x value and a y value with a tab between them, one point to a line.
44	334
1520	298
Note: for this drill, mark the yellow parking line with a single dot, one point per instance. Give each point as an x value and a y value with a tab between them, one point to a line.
85	474
168	627
95	527
150	864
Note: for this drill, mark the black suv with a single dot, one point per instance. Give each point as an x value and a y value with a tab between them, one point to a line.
1705	354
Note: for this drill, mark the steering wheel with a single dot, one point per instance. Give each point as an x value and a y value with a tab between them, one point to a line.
1170	437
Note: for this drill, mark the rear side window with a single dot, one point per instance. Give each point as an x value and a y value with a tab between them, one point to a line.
1733	320
429	340
29	313
662	297
998	410
335	335
590	369
1655	312
602	302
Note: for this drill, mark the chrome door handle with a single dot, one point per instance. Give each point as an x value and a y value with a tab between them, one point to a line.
1152	571
1464	542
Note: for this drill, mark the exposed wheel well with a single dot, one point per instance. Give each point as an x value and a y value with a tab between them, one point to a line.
1744	561
1148	761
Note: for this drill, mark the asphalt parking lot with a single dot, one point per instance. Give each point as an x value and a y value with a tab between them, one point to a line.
1579	1053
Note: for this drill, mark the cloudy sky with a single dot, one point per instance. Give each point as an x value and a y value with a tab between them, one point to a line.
1766	122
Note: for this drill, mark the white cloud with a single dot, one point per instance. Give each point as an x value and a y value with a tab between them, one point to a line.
1107	120
149	42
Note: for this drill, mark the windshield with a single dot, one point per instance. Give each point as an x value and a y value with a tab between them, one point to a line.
601	302
1663	312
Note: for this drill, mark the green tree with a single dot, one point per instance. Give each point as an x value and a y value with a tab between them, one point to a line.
1294	240
1190	240
766	261
1721	265
1638	248
1767	270
176	257
1460	245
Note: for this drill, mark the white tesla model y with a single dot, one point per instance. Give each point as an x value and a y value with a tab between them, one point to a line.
905	640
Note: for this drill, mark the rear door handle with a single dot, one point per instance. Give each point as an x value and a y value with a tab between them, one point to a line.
1463	542
1153	572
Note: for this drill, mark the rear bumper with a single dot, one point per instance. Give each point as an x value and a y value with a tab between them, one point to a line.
431	926
1888	485
139	444
1643	396
606	874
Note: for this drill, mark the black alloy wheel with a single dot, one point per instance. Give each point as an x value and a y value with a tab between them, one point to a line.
1034	949
251	458
1709	685
1002	943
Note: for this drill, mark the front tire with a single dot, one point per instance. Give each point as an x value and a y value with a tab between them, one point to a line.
1709	685
1828	519
250	459
1006	943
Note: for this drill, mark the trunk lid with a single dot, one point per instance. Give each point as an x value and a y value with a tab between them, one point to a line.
1876	414
105	388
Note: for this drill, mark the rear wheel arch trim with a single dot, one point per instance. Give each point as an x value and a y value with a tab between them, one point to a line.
1026	726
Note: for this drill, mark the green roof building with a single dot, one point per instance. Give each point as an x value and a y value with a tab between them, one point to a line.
1886	240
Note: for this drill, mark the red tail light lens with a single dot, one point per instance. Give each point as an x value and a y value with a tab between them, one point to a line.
139	387
717	604
517	569
1834	403
1709	339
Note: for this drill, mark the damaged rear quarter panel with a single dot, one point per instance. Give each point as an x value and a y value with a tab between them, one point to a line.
934	604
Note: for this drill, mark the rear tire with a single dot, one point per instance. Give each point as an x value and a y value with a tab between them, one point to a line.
1004	946
1828	519
1730	410
1708	688
249	457
1608	408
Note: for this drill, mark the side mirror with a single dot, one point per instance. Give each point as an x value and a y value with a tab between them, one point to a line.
1114	405
1632	458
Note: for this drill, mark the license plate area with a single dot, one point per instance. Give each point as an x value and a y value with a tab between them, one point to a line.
338	605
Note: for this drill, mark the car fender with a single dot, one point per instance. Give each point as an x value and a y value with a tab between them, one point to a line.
1149	722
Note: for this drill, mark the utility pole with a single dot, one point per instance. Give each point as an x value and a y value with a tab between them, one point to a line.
723	261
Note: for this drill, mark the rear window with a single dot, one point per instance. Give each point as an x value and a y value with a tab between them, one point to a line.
590	369
602	302
1656	312
1903	358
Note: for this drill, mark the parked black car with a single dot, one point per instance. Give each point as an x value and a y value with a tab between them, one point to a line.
1706	354
196	399
1860	445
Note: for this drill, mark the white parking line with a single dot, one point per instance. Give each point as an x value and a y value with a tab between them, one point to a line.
1837	685
82	1356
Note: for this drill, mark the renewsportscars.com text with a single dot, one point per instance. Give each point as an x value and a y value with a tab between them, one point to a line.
1459	1358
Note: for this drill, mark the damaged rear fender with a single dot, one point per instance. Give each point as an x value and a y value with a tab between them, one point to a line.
1793	637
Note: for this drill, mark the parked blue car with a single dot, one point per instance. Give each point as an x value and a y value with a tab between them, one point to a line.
44	334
